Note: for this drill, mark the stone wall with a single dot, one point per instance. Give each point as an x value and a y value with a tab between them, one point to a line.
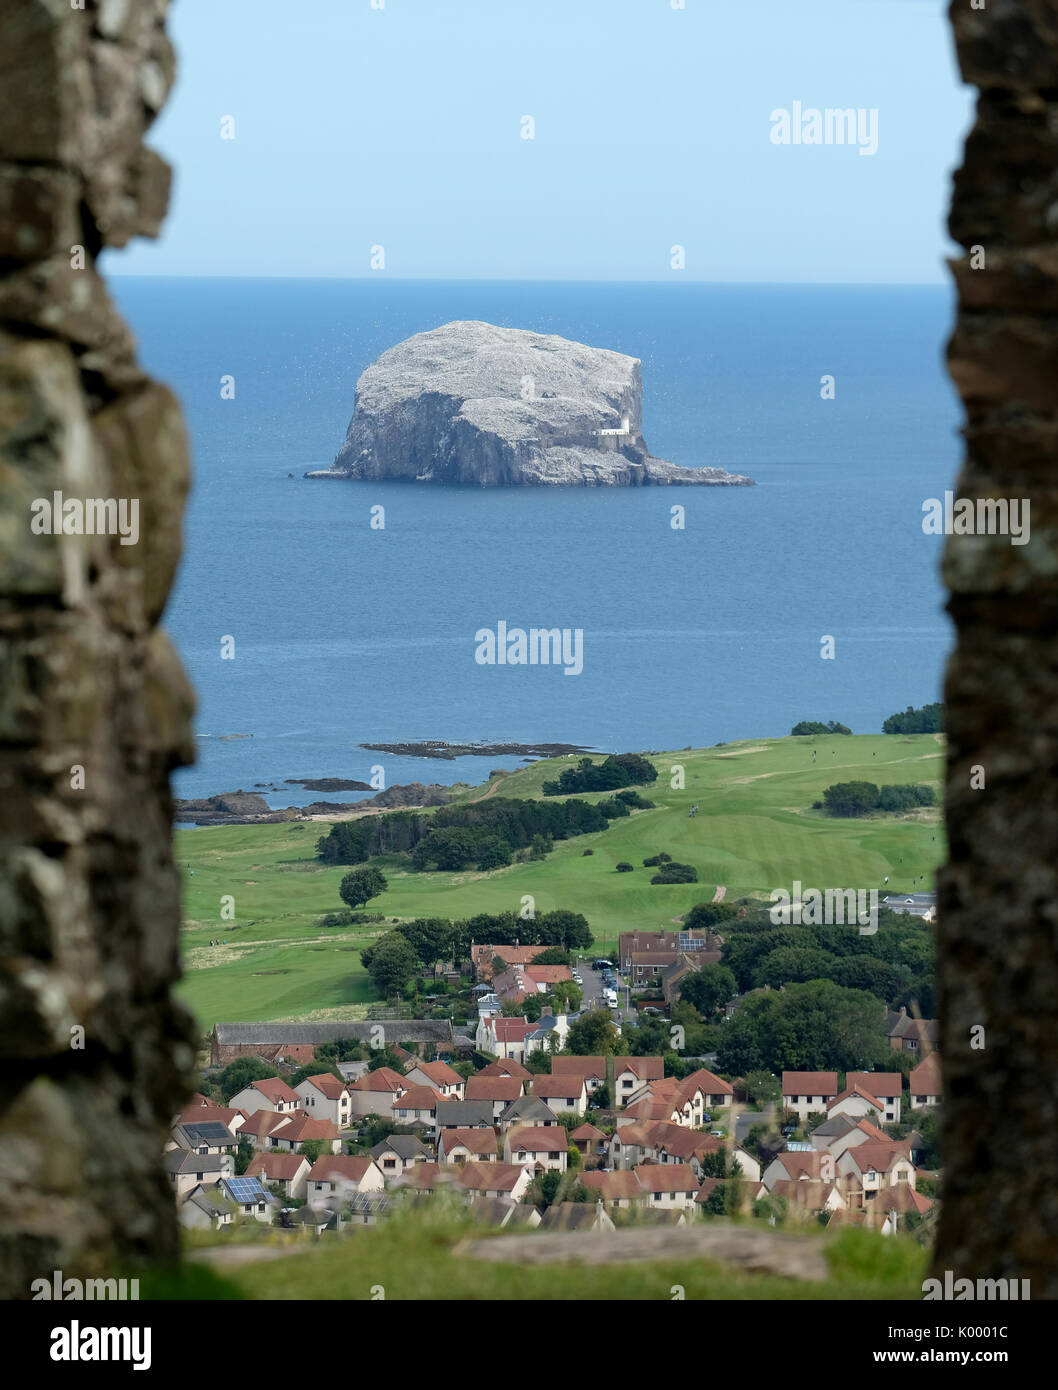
998	895
94	708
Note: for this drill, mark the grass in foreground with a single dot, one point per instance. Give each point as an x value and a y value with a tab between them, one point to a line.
410	1257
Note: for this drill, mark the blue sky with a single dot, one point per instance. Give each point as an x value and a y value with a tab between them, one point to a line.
401	127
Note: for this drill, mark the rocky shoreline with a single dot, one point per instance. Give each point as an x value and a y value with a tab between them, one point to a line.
250	808
247	808
436	748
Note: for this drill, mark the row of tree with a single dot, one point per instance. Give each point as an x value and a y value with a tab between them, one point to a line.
454	836
860	798
618	770
927	720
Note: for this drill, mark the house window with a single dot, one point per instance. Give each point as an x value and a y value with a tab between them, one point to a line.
389	1163
657	1196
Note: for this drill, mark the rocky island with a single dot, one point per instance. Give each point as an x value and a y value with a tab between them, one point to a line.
474	403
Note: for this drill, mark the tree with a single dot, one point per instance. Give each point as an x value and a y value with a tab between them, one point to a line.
391	964
762	1088
553	955
793	963
624	867
430	938
703	916
714	1165
850	798
240	1073
448	850
574	1157
716	1203
567	995
244	1156
361	885
570	930
927	720
384	1057
592	1035
312	1148
814	1026
493	853
676	873
708	989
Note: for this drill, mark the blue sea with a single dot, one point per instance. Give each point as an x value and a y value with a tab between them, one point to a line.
345	634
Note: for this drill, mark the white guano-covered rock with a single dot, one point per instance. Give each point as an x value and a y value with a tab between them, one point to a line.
474	403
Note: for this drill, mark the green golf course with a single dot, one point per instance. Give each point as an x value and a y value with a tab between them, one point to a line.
755	830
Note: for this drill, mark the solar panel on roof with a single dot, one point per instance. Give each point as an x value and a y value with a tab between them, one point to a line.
246	1189
211	1129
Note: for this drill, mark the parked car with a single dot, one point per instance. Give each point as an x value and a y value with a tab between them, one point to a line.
788	1129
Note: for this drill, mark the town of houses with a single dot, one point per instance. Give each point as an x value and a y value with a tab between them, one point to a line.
657	1151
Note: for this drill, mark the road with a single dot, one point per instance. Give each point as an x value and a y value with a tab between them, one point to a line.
593	988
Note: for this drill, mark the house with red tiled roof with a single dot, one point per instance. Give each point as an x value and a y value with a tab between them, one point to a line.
630	1074
537	1148
588	1141
808	1092
843	1132
808	1196
813	1165
467	1146
692	1098
503	1037
440	1076
668	1185
425	1178
324	1097
894	1202
213	1114
334	1178
908	1034
299	1128
501	1180
375	1092
925	1084
649	1109
270	1093
872	1167
482	955
546	975
505	1067
857	1103
615	1189
888	1086
418	1106
633	1143
289	1170
500	1091
560	1093
259	1126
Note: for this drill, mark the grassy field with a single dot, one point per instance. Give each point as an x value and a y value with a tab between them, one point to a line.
754	831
